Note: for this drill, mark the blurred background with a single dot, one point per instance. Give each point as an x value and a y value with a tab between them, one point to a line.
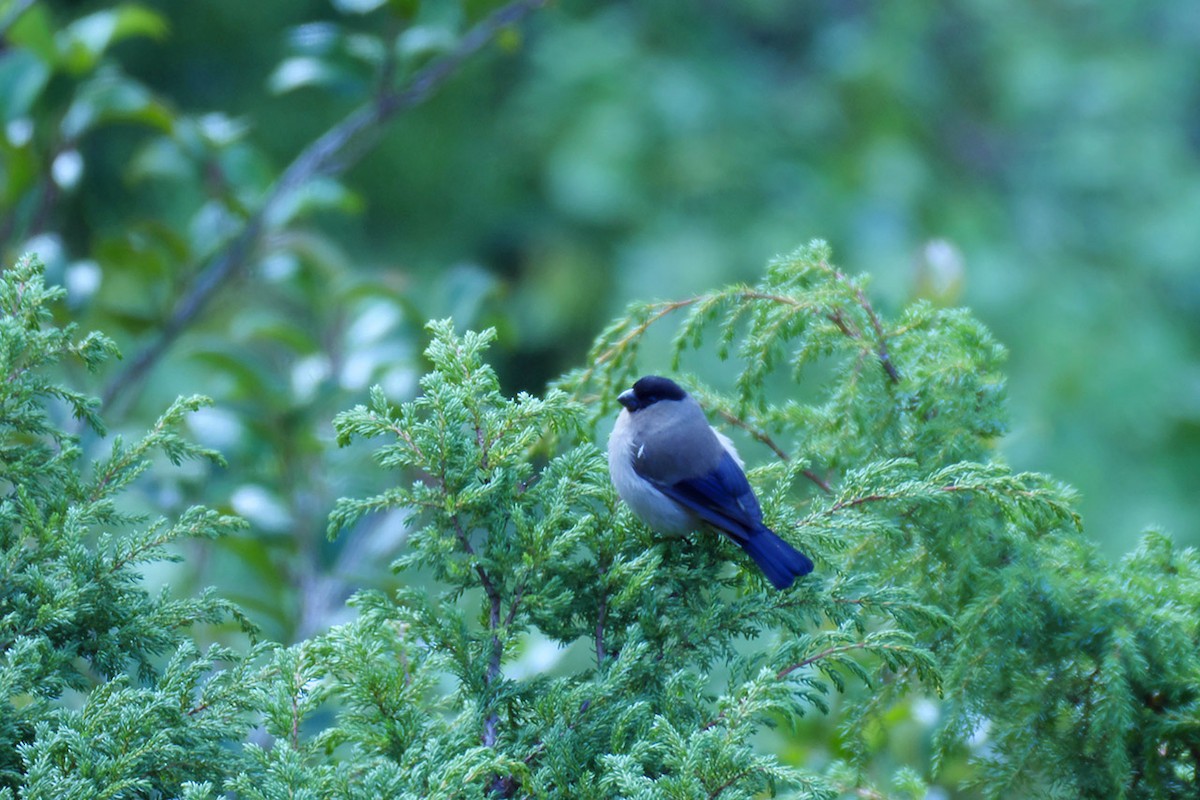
1038	162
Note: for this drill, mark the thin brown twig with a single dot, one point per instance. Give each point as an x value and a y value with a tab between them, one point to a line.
858	501
763	437
515	604
619	345
495	606
755	433
715	793
783	673
847	327
885	358
829	651
640	328
837	318
494	602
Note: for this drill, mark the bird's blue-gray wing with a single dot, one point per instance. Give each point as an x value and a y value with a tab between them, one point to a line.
722	498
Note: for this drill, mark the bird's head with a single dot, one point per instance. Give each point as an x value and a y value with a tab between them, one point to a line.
650	390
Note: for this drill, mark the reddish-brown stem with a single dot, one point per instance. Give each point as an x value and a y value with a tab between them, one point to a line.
857	501
829	651
881	350
715	793
763	437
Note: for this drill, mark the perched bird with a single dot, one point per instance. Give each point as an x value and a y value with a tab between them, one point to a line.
676	472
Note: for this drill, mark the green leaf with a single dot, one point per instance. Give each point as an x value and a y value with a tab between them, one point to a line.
357	6
23	76
83	42
110	96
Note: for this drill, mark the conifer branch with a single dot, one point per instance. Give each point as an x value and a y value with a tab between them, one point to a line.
494	608
618	347
832	651
842	505
604	353
600	614
762	436
839	319
885	358
715	793
297	687
515	603
852	331
757	434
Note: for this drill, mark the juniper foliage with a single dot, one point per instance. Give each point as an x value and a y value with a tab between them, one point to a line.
74	616
1069	677
666	702
941	575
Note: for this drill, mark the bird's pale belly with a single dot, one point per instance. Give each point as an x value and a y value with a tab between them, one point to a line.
651	506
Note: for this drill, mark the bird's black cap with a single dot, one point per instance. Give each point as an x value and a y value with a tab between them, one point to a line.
649	390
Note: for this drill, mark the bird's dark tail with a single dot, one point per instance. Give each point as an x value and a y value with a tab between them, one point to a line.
778	560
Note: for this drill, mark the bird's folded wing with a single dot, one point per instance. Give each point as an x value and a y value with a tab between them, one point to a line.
722	498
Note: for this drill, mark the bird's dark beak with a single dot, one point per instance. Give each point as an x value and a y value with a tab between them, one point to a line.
628	399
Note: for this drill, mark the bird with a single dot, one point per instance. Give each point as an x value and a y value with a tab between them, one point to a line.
678	474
